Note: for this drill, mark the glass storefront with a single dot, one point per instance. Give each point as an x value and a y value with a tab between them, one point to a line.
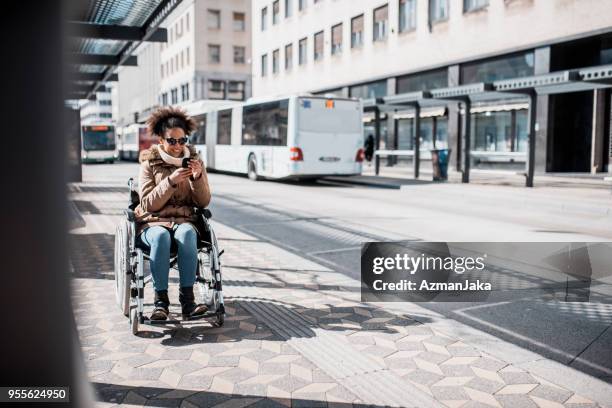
501	131
430	126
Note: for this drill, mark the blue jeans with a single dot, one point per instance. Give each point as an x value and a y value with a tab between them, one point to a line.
159	240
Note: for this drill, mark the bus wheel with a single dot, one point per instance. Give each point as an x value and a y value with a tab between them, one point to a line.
252	173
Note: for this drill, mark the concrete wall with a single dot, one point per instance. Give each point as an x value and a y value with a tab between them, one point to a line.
503	26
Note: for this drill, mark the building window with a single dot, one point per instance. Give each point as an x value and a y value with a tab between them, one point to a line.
174	96
162	70
224	127
381	16
376	89
187	52
471	5
357	31
422	82
239	55
239	22
275	11
214	19
214	53
318	46
216	89
288	8
336	33
264	65
514	66
301	4
438	10
275	58
182	58
235	90
264	18
185	92
288	57
302	51
187	22
407	15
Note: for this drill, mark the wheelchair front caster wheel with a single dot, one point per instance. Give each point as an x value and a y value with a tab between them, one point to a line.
134	321
220	319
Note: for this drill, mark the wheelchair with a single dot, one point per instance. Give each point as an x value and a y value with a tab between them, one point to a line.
130	279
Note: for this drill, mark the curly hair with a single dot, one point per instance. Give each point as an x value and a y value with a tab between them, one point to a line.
169	117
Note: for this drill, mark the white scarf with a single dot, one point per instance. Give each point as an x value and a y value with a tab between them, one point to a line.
175	161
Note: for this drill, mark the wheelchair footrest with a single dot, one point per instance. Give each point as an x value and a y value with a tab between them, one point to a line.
206	315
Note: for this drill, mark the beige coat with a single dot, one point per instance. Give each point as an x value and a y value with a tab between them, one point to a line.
162	204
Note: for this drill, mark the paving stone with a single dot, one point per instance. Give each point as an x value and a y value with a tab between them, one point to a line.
517	378
423	377
449	393
551	393
516	401
207	399
485	385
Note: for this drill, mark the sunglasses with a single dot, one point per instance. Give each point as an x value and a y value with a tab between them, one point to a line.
173	141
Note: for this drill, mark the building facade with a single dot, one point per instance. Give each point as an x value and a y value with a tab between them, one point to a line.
206	56
99	110
139	87
207	53
372	49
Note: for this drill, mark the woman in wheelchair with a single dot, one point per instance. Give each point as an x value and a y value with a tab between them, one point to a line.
168	193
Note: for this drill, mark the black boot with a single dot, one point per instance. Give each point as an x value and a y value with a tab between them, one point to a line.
162	303
188	305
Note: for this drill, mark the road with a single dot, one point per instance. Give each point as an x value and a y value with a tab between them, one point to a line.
326	222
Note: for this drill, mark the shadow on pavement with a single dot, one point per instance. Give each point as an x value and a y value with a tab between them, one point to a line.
170	397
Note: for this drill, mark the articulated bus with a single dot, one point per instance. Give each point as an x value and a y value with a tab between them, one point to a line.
297	137
133	139
98	144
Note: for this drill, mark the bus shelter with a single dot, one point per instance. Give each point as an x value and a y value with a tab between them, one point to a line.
575	80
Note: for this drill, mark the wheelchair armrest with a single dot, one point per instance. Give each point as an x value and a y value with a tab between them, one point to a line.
204	211
131	217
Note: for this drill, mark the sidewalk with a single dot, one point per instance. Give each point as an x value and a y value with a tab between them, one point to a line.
295	335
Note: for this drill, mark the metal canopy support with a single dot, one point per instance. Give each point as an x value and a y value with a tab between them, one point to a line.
377	139
531	143
417	139
90	76
113	32
413	100
464	94
102	59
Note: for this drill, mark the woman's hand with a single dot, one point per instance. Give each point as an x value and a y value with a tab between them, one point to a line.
196	168
179	175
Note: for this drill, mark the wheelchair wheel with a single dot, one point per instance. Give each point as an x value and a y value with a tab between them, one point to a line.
122	265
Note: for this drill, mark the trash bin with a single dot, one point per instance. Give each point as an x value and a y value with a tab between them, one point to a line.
439	163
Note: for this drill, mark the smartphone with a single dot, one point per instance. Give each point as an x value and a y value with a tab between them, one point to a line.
185	163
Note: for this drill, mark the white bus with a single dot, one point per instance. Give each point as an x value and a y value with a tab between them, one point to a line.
98	144
298	137
132	140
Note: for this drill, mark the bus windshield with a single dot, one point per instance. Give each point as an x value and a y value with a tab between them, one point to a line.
99	140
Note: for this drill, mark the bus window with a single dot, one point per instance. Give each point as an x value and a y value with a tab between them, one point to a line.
341	117
265	124
98	139
199	135
224	127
